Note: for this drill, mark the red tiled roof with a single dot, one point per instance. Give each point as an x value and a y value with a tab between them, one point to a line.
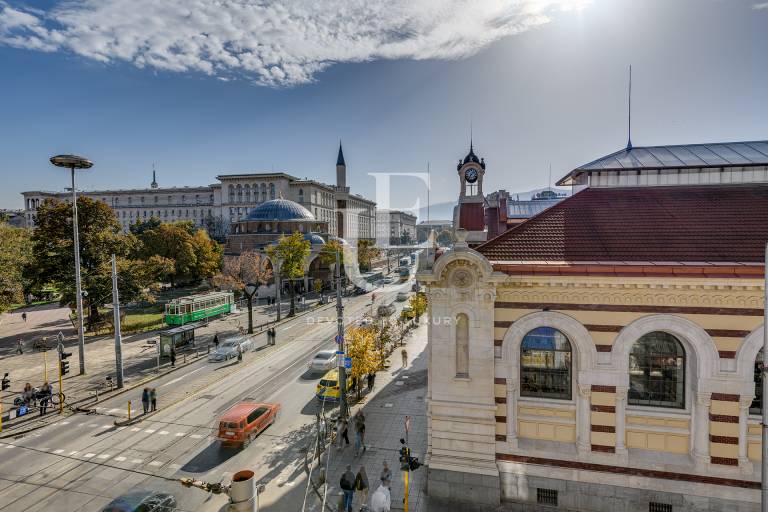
708	224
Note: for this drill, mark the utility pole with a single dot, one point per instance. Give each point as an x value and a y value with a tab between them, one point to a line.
343	407
764	462
118	340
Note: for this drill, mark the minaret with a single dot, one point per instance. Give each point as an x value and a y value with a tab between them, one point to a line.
154	179
341	170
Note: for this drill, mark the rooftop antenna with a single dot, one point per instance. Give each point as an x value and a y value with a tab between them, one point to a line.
629	112
549	182
428	187
470	134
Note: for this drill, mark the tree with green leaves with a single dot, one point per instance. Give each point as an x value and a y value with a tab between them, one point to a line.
140	226
15	254
291	253
366	253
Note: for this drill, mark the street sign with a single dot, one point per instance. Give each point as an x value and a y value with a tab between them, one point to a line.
348	363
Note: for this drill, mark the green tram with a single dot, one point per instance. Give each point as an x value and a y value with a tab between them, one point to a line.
199	307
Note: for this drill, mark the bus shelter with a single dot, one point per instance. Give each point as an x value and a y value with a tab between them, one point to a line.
178	337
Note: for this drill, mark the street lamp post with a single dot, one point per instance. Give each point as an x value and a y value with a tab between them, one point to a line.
73	162
249	290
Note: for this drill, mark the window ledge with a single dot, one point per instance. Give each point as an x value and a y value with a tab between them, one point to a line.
549	402
462	376
658	412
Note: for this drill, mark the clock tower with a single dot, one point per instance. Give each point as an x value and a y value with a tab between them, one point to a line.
470	211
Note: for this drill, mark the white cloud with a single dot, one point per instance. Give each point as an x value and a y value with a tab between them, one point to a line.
760	6
272	43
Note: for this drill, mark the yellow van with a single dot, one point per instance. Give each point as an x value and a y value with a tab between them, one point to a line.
328	387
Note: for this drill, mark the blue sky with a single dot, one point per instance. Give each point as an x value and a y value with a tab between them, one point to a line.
276	86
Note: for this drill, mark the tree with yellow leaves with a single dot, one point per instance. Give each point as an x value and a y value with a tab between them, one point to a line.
419	304
361	347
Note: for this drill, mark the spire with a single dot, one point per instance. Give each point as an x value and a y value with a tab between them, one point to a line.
629	112
154	178
340	158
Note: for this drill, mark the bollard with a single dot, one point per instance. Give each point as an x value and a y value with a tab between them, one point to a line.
129	410
243	496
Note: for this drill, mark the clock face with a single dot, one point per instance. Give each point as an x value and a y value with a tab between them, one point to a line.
471	175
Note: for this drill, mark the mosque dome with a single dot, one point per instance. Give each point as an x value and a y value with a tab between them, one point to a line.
280	209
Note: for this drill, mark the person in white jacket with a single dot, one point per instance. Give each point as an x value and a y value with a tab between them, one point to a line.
381	499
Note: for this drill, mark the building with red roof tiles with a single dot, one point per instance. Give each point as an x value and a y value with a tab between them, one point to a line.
605	354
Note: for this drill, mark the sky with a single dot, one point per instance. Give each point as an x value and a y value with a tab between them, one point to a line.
206	87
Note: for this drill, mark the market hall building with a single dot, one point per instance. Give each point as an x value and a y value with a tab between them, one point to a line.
604	355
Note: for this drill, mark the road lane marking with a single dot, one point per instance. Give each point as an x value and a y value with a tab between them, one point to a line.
65	423
119	459
114	410
163	433
58	451
82	424
136	461
196	436
134	429
175	466
182	377
93	425
89	455
104	456
73	453
106	426
179	434
9	446
150	431
155	463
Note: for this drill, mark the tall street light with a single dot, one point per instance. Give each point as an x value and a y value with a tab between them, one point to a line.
73	162
249	290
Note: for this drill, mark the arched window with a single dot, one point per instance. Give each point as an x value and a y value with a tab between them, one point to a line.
239	194
263	192
271	190
657	371
247	193
545	364
462	345
757	403
231	194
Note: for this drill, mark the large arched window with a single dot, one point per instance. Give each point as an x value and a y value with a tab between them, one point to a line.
545	364
657	371
757	403
462	345
263	192
271	190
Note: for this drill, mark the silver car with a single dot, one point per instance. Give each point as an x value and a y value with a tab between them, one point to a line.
323	361
228	348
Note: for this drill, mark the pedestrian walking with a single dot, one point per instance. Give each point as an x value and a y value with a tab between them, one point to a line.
45	396
371	380
239	354
343	433
19	346
24	316
360	432
404	354
361	487
347	484
386	474
216	341
274	336
145	400
173	357
28	394
153	398
381	499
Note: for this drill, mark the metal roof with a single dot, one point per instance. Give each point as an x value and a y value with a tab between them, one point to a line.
280	209
720	154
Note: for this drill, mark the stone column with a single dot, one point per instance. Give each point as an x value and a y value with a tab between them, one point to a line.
583	420
621	420
744	404
512	412
701	428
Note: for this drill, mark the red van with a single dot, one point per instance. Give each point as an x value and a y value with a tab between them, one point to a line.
244	421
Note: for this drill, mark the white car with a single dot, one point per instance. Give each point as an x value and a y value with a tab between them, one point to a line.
228	348
323	361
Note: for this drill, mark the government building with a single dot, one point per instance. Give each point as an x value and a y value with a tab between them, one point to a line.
605	354
217	207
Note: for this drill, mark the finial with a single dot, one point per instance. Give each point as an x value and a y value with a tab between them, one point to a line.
471	145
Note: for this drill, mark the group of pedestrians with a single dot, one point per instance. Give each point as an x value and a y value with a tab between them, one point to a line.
343	433
149	400
30	396
351	484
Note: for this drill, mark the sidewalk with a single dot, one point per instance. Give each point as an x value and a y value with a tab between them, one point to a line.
398	393
139	361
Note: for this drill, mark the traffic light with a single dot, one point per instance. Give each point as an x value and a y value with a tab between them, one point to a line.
6	382
63	363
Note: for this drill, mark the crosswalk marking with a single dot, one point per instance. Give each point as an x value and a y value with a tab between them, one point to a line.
65	423
155	463
196	436
150	431
179	434
136	461
106	426
134	429
58	451
73	453
112	411
163	432
119	459
104	456
89	455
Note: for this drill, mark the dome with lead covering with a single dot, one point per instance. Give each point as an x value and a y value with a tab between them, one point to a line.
280	209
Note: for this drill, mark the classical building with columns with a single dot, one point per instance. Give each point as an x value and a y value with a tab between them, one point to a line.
605	355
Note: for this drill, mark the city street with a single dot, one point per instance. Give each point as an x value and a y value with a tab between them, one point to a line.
83	461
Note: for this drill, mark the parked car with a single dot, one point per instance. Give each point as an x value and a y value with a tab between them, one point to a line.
142	501
386	310
402	297
242	422
228	348
323	361
328	387
407	313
